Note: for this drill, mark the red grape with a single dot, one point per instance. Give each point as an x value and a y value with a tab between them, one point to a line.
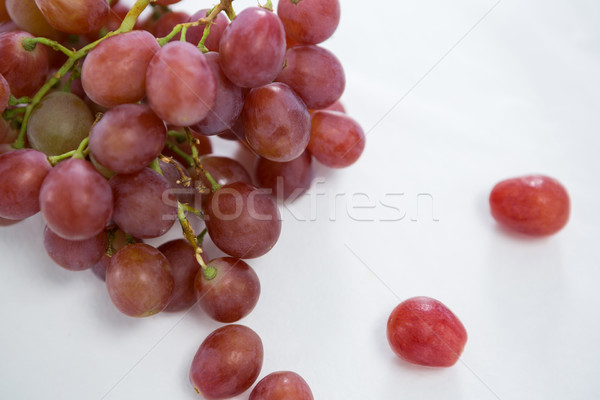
252	48
276	122
232	293
115	71
4	94
143	206
224	170
76	201
128	138
180	84
286	180
21	175
195	33
423	331
25	71
75	255
309	21
282	385
118	241
184	268
242	221
535	205
227	362
75	16
336	140
228	105
315	74
139	280
3	13
166	23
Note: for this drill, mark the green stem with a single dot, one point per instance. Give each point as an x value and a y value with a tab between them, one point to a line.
179	136
126	26
80	153
155	165
268	5
200	237
13	101
201	43
188	233
195	155
53	160
29	44
175	149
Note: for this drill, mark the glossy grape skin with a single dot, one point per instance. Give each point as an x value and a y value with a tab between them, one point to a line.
76	17
22	173
227	362
282	385
252	48
8	26
336	140
28	17
4	94
25	71
74	255
232	293
75	200
128	138
276	122
228	104
194	34
286	180
535	205
185	194
315	74
309	21
59	123
143	206
423	331
242	221
179	94
127	57
139	280
184	268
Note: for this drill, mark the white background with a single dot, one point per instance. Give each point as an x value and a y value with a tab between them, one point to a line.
454	96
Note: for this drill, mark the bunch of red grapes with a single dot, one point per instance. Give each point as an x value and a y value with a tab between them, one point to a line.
105	130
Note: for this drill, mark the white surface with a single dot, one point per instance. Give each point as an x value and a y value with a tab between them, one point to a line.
446	114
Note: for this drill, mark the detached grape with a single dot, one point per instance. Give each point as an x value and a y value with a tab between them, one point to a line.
282	385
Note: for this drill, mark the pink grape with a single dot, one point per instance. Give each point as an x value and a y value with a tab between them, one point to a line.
25	71
309	21
286	180
75	255
282	385
75	16
336	140
194	34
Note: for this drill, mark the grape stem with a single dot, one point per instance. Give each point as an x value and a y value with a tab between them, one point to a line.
224	5
173	147
13	101
190	236
29	44
156	166
81	153
184	179
199	167
126	26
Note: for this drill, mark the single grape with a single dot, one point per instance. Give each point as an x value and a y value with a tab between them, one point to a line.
25	71
139	280
227	362
309	21
127	57
128	138
59	123
143	205
282	385
276	122
76	17
286	180
252	48
28	17
535	205
228	105
423	331
179	94
184	267
242	221
21	175
4	94
315	74
74	255
232	293
76	201
195	33
336	140
166	23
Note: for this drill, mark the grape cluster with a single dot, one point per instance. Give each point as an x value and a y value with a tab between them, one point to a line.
109	116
